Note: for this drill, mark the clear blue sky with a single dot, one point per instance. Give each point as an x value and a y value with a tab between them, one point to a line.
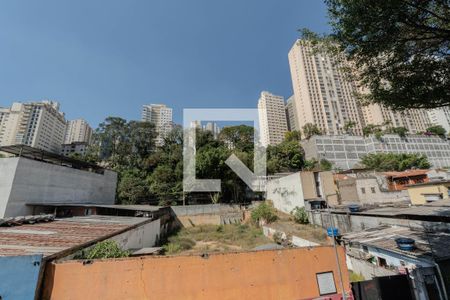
101	58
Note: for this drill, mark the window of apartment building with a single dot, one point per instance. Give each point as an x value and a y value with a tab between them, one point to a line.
363	190
326	284
373	190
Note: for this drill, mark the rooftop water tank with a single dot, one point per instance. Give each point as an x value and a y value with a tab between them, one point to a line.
405	244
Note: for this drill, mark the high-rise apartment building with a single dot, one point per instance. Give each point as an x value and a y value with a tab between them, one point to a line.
291	114
322	94
272	119
440	116
161	116
36	124
415	120
78	131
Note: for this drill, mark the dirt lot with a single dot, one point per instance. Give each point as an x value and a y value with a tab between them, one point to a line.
213	238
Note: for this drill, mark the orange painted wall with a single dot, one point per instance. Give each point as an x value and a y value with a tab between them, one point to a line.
281	274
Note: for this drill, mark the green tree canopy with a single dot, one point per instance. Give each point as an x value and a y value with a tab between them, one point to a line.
399	47
238	137
394	161
437	130
310	129
287	156
293	135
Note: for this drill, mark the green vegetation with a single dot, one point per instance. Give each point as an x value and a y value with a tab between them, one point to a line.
214	238
105	249
300	216
355	277
437	130
400	48
148	173
294	135
264	212
394	162
310	129
315	165
348	127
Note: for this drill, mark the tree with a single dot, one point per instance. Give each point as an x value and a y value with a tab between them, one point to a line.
348	126
400	131
315	165
394	161
287	156
437	130
310	129
238	137
132	187
401	49
293	135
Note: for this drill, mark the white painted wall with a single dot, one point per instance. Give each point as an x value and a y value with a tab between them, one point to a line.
286	192
32	181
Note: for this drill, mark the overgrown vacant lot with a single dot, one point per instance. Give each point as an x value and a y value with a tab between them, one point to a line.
213	238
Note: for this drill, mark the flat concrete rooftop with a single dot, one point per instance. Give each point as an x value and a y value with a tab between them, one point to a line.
54	239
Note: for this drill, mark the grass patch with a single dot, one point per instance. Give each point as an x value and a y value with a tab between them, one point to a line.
213	238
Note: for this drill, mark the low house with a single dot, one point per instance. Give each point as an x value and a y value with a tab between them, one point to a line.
431	191
424	256
294	190
398	181
26	249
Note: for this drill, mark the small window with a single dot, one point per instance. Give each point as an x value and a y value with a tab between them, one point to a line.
373	190
326	284
363	190
382	262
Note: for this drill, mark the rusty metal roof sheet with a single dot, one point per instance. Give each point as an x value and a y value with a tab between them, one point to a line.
62	235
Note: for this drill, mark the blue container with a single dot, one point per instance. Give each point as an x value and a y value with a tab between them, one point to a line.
332	231
405	244
353	207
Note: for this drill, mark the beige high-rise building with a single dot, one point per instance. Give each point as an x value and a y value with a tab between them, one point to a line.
415	120
78	131
440	116
272	119
322	94
36	124
161	116
291	114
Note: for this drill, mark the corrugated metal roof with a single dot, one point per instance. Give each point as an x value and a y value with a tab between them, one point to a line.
429	245
62	234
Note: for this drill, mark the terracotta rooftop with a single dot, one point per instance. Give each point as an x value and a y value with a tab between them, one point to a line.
409	173
53	239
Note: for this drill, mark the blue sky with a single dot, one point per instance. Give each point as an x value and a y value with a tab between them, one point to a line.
101	58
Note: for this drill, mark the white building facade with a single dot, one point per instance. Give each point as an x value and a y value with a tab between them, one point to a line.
36	124
440	116
161	116
322	94
78	131
272	119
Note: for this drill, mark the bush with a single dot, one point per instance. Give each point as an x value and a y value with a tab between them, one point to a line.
106	249
300	215
264	212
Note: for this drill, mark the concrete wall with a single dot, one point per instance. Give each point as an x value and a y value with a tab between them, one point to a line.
308	185
286	193
215	214
349	222
19	276
143	236
373	193
38	182
328	188
417	193
281	274
366	269
295	240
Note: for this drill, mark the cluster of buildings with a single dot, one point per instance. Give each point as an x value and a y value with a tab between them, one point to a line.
394	226
43	126
324	96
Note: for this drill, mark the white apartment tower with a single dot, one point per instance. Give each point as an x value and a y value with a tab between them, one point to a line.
291	114
415	120
322	95
440	116
161	116
272	119
36	124
78	131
